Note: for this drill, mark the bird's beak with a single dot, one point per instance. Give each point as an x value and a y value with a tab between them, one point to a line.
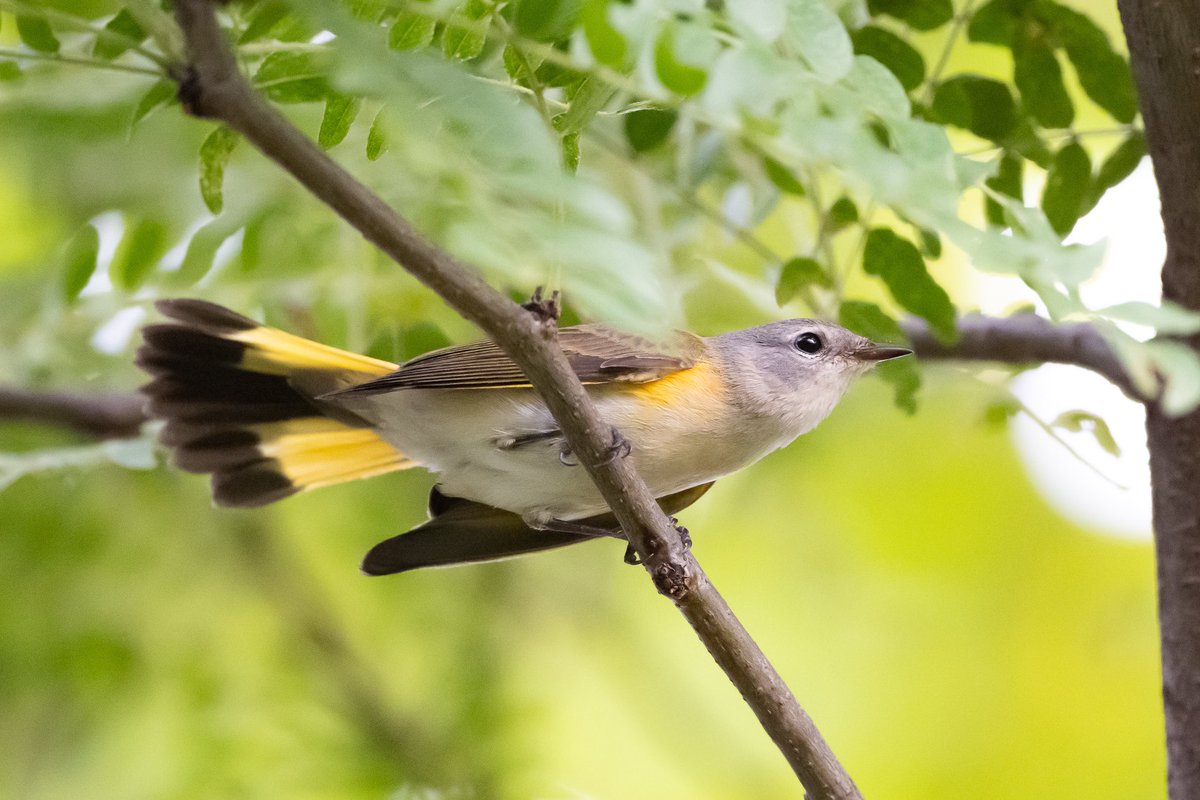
880	352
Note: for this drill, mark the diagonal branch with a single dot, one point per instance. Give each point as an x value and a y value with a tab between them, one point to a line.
211	86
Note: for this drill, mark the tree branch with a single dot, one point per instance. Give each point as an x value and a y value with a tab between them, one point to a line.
105	416
1024	339
211	86
1164	51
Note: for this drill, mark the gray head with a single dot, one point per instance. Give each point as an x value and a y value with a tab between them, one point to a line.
798	369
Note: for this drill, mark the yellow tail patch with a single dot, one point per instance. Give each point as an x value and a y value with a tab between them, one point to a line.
272	352
317	452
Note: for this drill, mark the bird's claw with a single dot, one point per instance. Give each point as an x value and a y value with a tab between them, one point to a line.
620	447
546	309
685	538
566	456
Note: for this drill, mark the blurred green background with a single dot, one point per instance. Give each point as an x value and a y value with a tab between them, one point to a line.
951	635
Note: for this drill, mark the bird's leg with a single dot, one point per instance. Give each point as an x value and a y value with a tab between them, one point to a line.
619	448
567	526
546	309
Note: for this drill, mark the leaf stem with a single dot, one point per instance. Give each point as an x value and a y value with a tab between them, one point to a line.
112	66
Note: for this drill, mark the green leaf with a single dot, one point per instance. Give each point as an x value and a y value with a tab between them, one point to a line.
586	101
820	38
1167	319
899	263
799	274
607	44
144	243
371	11
263	16
782	177
155	97
464	39
648	128
289	77
570	152
996	22
214	155
545	20
904	60
1007	181
79	261
517	63
682	54
1103	73
1178	366
1120	163
981	105
868	319
340	113
377	143
1078	421
35	33
1039	79
931	243
842	214
411	31
121	33
922	15
201	252
9	71
997	413
1067	185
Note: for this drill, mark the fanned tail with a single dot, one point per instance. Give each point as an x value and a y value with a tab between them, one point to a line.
240	402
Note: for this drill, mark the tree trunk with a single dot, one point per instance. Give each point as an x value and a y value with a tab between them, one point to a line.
1164	47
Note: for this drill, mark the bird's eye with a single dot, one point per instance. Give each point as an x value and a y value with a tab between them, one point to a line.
809	343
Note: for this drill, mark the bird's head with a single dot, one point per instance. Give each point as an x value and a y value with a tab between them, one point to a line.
797	368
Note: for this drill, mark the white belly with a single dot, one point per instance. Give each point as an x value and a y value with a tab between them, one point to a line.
461	435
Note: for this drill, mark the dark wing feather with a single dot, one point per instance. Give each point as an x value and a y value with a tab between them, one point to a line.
465	532
597	353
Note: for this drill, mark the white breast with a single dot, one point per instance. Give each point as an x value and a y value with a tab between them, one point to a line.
682	436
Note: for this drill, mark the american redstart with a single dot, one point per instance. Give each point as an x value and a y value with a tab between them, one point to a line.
270	414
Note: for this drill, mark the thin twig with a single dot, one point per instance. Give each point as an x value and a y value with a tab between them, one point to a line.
1024	339
113	66
105	416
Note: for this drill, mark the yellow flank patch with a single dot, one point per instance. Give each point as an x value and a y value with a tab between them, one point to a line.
273	352
319	452
689	387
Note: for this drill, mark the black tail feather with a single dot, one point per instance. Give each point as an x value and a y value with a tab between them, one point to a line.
238	403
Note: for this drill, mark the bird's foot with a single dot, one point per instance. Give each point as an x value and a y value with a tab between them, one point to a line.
620	447
545	309
685	538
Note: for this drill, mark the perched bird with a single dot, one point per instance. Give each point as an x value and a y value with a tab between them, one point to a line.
270	414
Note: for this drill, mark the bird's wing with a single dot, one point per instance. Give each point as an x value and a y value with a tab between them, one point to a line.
465	532
597	353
